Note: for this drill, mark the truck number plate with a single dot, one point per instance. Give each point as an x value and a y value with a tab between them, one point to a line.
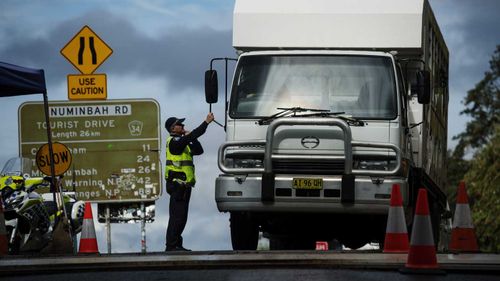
307	183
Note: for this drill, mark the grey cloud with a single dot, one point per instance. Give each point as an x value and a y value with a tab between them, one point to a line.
472	30
180	55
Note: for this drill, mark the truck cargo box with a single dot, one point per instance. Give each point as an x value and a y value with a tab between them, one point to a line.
379	24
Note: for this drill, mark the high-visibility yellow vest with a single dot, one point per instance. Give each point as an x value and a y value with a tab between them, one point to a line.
181	163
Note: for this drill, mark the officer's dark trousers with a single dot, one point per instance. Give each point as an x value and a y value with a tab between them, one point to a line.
178	210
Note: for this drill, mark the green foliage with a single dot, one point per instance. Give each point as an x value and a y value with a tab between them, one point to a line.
457	167
483	183
482	104
481	173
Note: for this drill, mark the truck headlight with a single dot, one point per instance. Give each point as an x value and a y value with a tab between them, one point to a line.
375	165
247	163
245	157
382	165
243	163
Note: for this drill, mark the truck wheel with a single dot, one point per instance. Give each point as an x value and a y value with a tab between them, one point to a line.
440	223
244	231
353	243
278	244
435	216
291	243
445	230
354	239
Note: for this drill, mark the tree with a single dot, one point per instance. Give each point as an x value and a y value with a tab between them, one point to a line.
482	134
483	180
482	104
457	168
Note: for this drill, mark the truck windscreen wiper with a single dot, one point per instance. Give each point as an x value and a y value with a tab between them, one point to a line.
350	120
285	111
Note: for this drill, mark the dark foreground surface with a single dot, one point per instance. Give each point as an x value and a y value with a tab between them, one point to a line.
291	274
251	265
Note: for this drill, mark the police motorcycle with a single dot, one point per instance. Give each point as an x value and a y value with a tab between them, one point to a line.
30	217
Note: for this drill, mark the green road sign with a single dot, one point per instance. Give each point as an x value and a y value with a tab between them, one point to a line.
115	146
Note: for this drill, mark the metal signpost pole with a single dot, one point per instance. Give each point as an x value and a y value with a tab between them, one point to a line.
108	228
51	151
75	242
143	228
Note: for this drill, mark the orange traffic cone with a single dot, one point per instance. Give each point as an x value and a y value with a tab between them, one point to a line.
4	242
463	237
396	235
422	253
88	241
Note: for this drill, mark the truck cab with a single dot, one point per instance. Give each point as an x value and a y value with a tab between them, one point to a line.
318	133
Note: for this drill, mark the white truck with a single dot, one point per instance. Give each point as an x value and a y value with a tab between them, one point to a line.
331	104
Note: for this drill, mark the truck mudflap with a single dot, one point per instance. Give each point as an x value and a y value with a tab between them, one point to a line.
268	174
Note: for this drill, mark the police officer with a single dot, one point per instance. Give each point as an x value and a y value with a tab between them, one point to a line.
180	175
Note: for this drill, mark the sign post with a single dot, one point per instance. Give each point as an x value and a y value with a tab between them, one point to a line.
85	87
86	52
143	228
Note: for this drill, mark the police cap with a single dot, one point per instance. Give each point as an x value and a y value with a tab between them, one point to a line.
171	121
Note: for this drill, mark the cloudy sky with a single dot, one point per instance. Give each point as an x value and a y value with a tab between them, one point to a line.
161	50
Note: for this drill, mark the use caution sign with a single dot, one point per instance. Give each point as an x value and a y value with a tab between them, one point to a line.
87	87
62	158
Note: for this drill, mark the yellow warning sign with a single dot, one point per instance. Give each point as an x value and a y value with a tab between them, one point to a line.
62	158
87	87
86	51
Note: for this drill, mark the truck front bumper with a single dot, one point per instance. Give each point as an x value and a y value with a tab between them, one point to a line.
244	193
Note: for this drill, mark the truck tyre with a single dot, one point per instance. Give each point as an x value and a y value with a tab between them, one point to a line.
291	243
355	238
353	243
435	215
244	231
438	224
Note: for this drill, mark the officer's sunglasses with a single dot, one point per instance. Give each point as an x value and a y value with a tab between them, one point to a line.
177	124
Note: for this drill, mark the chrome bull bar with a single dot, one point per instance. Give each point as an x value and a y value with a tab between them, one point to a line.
267	170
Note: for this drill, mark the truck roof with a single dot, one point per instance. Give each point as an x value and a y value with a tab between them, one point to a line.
331	24
317	53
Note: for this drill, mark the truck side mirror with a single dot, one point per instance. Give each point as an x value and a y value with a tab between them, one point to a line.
211	86
423	87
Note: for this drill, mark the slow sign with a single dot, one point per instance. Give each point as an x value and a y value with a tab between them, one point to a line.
62	158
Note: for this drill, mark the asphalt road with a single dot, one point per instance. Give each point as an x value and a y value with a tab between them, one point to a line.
246	265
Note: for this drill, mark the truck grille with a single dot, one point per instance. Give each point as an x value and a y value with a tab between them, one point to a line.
309	167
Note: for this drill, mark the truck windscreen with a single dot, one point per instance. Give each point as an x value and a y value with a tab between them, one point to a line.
360	86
